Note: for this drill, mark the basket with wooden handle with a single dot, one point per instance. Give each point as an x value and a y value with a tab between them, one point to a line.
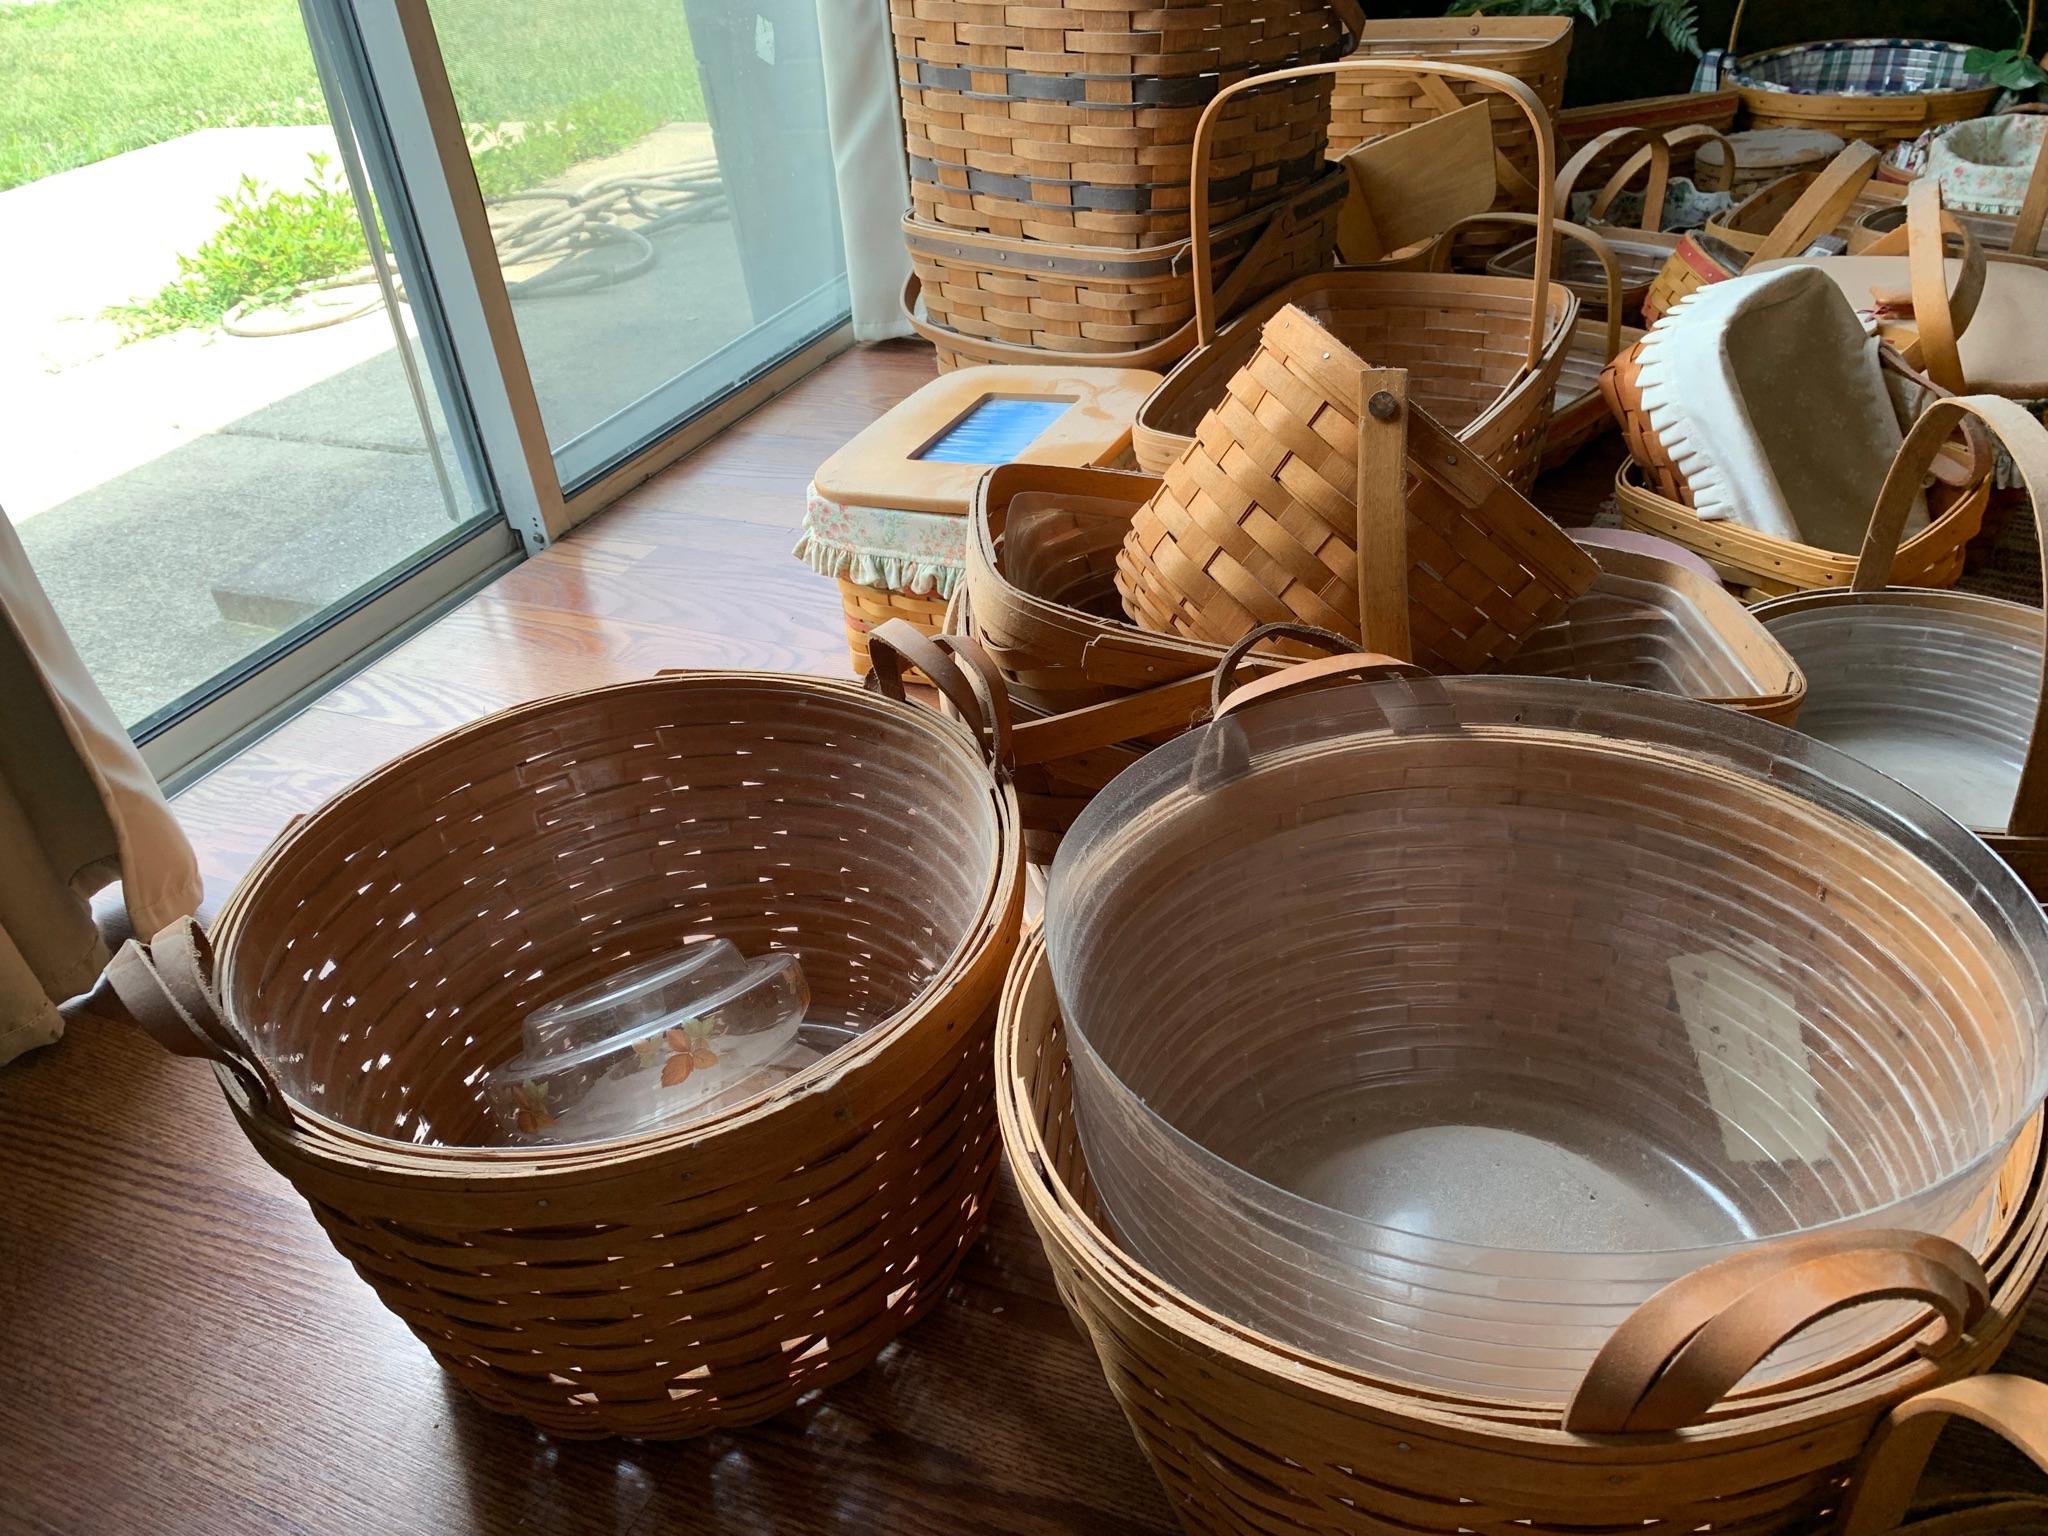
1886	660
1714	255
1267	518
1753	221
1532	49
1880	90
1070	123
1250	1436
1654	497
1481	353
379	958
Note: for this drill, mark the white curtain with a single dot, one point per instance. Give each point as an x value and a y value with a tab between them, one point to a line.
78	810
867	153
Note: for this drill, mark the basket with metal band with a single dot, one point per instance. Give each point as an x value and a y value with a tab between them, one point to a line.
378	960
1942	690
1878	89
1482	353
1070	123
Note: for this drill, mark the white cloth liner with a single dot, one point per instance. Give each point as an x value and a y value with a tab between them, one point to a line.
866	122
1767	395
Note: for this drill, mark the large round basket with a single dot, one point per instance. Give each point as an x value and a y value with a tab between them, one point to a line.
1250	1437
1878	89
1531	49
1942	690
1482	353
1071	123
383	952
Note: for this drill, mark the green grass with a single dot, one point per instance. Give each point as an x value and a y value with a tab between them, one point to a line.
86	79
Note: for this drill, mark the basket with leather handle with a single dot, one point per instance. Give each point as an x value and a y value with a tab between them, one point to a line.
1251	1436
1265	519
1070	123
1886	660
1654	497
1481	353
359	984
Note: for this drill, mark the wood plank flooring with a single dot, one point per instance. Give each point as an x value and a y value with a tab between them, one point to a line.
183	1352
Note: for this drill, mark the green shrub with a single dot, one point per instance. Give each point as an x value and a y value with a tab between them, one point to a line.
272	242
596	125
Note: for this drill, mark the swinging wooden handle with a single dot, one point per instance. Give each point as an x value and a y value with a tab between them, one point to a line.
1892	1462
1205	134
1939	316
2026	440
1649	148
1825	202
166	988
1686	1348
1610	269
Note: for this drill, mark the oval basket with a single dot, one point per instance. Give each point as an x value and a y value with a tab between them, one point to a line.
1250	1437
383	952
1887	661
1482	354
1653	497
1878	89
1071	123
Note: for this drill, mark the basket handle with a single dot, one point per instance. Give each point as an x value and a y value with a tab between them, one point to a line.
165	988
2026	440
958	668
2026	227
1684	1349
1939	317
1650	148
1891	1464
1734	26
1227	695
1672	138
1610	269
1206	308
1823	204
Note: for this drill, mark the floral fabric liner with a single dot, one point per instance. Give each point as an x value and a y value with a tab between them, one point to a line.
1862	66
1983	165
922	553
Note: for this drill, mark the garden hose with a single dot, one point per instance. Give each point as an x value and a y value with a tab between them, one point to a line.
569	225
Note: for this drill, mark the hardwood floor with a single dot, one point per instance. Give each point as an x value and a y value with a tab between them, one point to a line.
183	1350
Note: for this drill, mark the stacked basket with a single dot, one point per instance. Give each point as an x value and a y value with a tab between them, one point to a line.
1050	149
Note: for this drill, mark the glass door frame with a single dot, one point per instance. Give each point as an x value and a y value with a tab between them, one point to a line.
402	70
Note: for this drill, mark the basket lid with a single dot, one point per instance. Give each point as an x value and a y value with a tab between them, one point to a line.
926	453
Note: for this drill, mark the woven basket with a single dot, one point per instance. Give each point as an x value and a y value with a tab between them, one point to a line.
1860	88
867	607
1653	497
1275	515
1782	220
1579	126
1962	675
988	299
1250	1438
1071	122
1531	49
1481	353
382	953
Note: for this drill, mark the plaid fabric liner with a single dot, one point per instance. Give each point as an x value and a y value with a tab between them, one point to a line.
1863	66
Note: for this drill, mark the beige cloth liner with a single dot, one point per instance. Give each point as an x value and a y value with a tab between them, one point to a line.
1767	394
78	810
2005	346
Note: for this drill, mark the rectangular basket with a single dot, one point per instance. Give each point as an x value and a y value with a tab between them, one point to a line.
1072	123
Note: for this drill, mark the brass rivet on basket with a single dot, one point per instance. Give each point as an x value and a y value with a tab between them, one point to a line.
1383	405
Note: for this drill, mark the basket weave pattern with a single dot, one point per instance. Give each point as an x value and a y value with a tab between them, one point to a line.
866	607
386	950
1073	123
1257	522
